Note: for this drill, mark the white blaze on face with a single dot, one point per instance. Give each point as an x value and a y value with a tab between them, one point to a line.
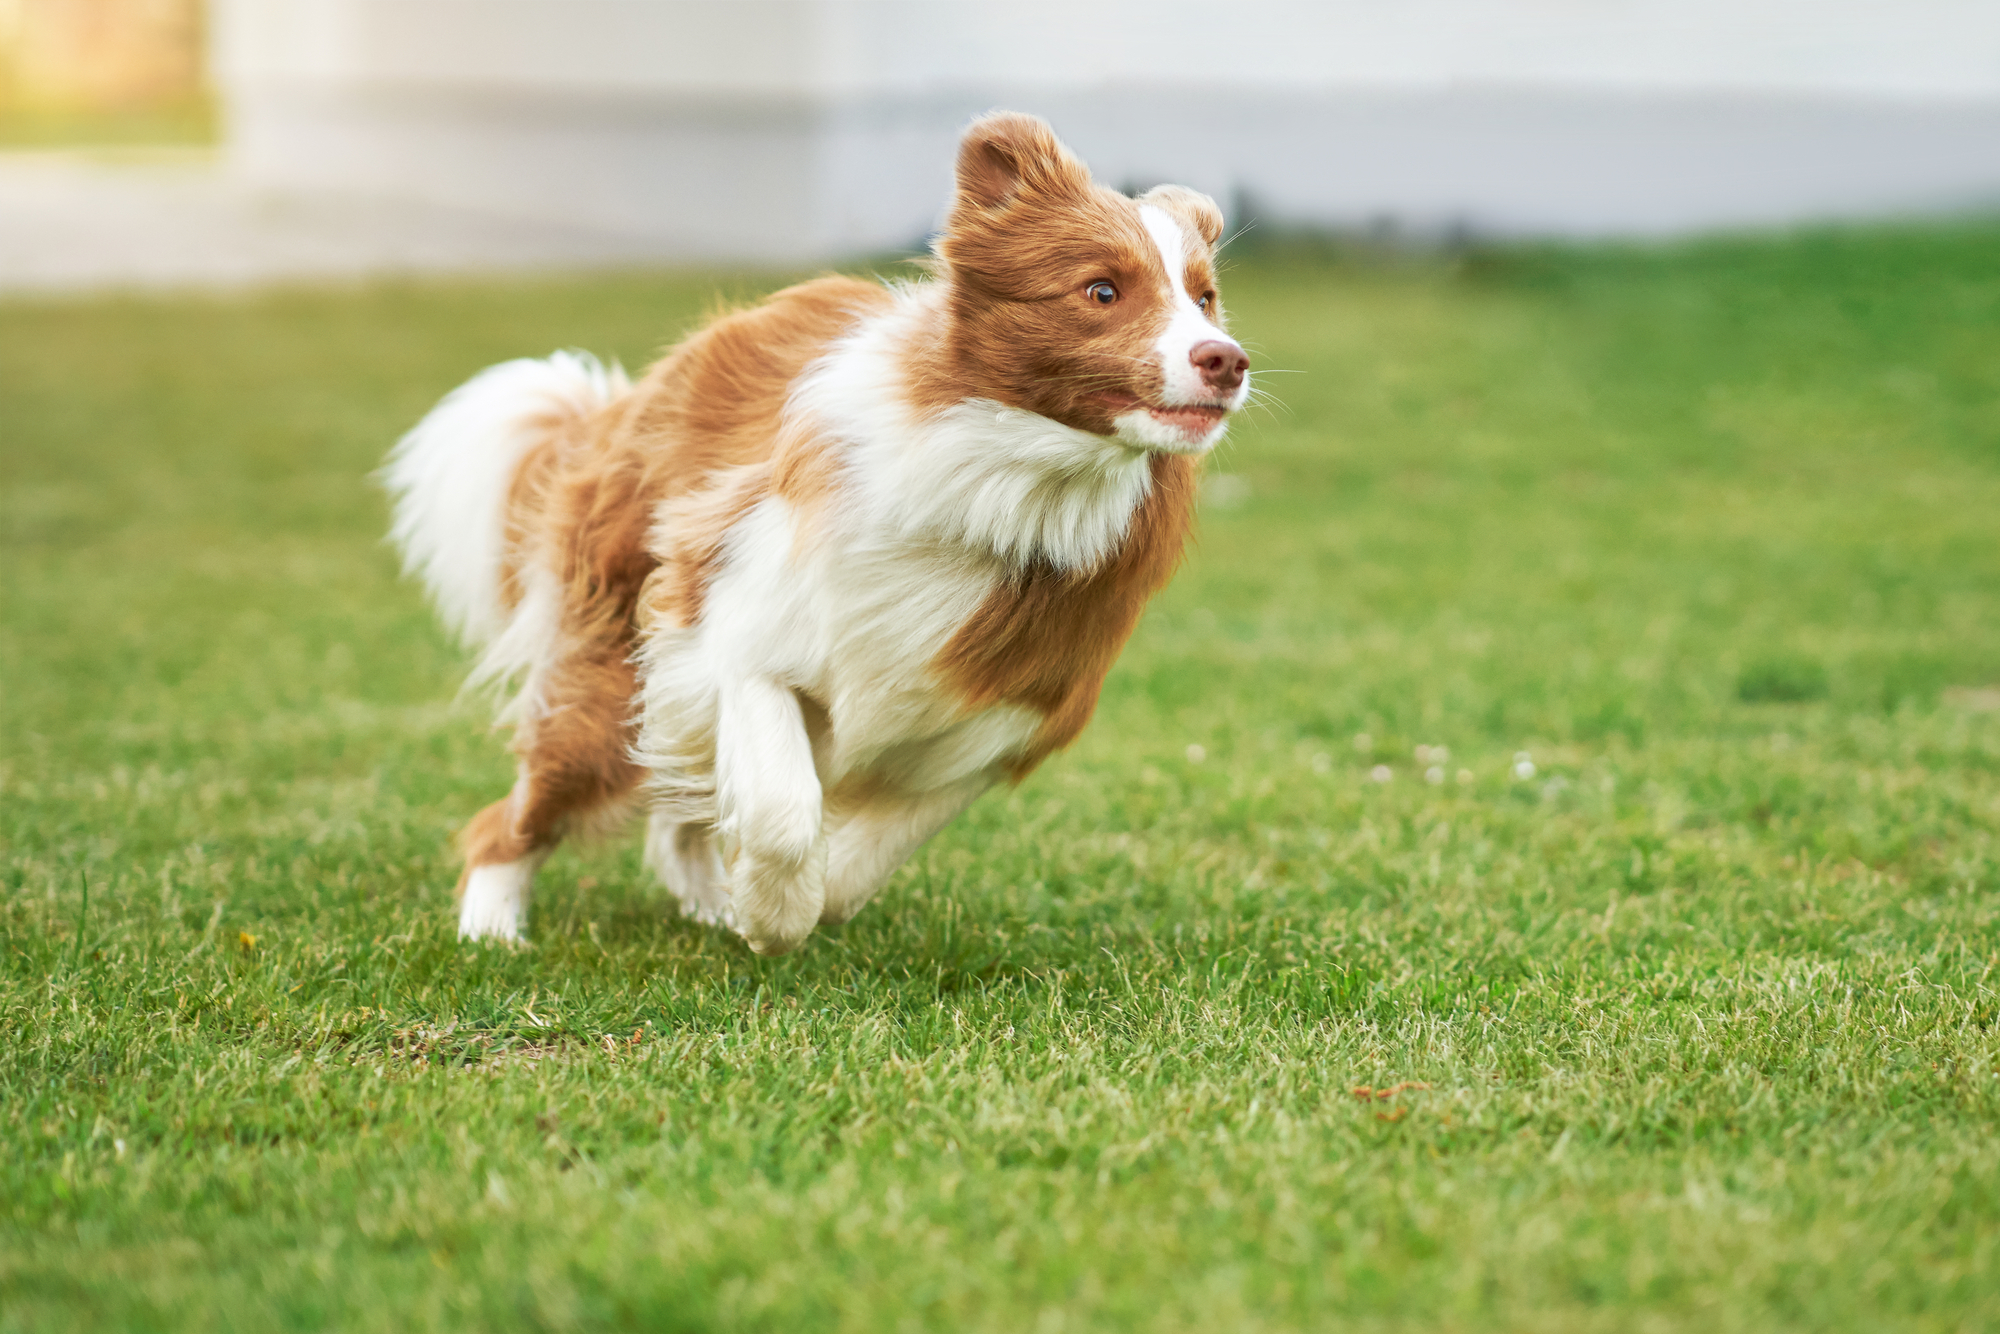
1187	327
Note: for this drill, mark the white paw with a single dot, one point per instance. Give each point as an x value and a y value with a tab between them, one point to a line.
495	906
777	901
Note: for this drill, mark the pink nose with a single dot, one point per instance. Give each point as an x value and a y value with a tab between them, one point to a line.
1221	363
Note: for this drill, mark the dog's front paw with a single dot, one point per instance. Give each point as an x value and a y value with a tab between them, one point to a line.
776	901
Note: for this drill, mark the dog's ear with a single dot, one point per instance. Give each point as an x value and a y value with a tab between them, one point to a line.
1007	156
1192	207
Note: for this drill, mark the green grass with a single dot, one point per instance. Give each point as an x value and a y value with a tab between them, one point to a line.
1700	1017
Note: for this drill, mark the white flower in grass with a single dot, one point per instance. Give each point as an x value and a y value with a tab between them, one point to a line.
1434	775
1381	773
1524	765
1196	754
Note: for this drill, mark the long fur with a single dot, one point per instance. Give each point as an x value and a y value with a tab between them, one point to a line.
450	475
839	562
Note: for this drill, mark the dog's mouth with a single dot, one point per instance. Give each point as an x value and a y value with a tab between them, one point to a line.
1195	419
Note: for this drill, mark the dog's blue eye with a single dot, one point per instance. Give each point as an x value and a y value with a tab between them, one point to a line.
1102	293
1202	302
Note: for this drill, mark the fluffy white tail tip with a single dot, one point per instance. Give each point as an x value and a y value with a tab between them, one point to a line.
450	476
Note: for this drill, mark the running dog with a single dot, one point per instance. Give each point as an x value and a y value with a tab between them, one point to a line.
837	563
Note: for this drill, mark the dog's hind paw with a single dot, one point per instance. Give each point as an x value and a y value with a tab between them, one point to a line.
495	903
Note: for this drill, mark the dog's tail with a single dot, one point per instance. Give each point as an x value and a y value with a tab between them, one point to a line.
450	479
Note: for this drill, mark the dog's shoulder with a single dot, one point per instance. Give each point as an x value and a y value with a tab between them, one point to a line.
728	382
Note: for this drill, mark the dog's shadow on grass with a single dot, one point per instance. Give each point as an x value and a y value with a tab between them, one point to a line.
884	945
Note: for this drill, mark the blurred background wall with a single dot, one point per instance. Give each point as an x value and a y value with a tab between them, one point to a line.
806	128
797	129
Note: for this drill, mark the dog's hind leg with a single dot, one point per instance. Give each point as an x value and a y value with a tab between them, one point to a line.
573	770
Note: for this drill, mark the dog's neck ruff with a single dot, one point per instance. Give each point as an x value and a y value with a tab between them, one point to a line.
1001	481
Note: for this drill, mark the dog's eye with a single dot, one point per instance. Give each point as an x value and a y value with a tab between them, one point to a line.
1204	301
1102	293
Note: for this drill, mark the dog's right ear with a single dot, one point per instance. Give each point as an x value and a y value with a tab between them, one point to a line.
1007	156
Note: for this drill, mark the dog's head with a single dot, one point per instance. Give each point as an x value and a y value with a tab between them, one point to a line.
1076	302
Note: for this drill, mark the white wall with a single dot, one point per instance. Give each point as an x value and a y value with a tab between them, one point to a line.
793	128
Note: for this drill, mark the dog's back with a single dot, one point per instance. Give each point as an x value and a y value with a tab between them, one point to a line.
704	425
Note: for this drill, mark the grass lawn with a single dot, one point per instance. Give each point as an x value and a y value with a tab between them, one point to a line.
1690	1025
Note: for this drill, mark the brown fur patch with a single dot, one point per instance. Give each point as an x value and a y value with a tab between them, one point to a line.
583	504
490	839
532	478
573	763
692	528
1045	639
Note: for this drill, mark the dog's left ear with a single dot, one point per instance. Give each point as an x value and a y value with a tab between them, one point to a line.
1007	156
1195	209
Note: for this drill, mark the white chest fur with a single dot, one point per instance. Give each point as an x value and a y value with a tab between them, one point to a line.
854	623
927	518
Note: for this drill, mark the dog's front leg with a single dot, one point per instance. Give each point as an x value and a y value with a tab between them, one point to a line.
768	801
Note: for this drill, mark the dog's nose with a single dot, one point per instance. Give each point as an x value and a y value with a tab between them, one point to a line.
1221	363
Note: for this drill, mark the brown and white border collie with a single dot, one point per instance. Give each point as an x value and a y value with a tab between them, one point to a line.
838	563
